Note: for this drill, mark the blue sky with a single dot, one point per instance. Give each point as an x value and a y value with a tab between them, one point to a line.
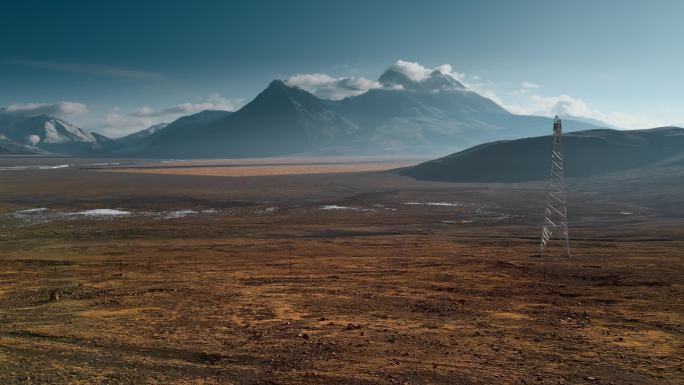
124	65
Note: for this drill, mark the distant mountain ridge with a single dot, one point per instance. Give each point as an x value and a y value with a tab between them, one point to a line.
587	153
142	134
178	130
432	113
436	114
51	134
280	120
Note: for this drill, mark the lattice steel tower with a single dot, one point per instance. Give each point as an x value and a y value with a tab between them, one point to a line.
556	214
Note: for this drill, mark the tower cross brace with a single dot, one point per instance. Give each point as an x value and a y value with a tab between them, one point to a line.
555	223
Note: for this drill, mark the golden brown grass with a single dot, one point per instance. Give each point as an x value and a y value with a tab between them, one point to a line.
267	170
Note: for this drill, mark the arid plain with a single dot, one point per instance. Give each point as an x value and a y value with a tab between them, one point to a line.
355	277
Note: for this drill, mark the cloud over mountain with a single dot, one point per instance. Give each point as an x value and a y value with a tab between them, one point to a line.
328	87
119	123
534	104
63	108
526	99
418	72
336	88
213	102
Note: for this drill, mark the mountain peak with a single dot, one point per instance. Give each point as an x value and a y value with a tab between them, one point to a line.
279	88
278	84
392	79
435	81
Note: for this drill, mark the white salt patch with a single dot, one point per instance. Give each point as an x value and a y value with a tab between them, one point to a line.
38	167
176	214
267	210
447	204
13	168
463	221
443	204
337	207
334	207
102	213
385	208
30	211
53	167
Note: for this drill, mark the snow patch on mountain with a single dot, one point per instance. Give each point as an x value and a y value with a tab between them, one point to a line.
33	139
59	131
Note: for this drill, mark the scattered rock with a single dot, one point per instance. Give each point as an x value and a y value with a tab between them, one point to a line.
303	336
351	326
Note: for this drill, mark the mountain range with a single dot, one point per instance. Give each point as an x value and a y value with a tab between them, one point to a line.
47	134
587	154
434	115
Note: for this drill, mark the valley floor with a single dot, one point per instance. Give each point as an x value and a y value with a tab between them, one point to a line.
355	278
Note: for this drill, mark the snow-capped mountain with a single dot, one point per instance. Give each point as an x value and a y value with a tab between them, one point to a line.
436	81
419	113
51	134
432	114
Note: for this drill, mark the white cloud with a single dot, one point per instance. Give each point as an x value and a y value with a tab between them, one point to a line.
412	70
482	88
328	87
533	104
310	80
118	123
526	101
418	72
61	109
335	88
213	102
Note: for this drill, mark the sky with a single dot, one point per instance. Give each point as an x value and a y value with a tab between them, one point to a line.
119	66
